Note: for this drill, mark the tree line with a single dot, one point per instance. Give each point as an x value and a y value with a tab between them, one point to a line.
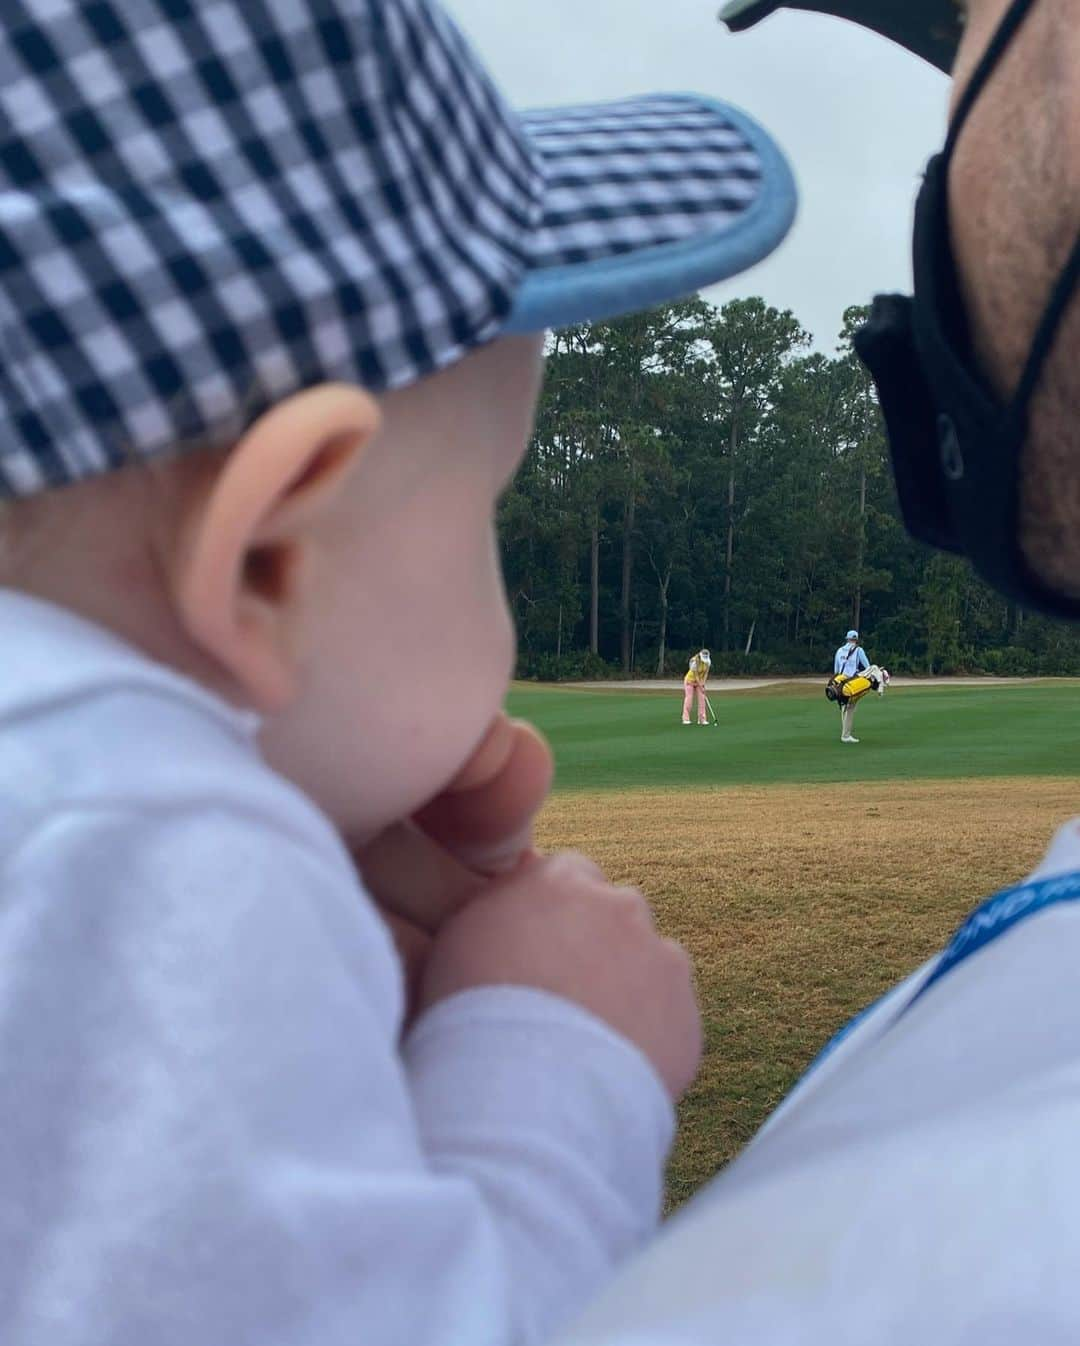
697	476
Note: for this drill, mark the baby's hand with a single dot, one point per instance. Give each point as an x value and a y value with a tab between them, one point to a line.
421	871
557	924
484	817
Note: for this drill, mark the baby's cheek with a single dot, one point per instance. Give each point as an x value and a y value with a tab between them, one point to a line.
507	639
488	651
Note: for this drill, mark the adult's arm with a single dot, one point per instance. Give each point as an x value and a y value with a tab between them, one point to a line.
921	1183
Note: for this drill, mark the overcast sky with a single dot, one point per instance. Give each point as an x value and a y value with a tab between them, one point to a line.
857	116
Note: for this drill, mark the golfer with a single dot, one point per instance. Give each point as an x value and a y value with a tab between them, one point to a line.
850	660
696	676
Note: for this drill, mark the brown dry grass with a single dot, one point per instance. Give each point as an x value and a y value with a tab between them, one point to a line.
799	906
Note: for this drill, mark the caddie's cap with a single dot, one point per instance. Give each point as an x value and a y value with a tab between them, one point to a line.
852	635
207	206
930	28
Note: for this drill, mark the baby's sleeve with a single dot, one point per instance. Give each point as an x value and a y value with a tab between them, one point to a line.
559	1123
210	1135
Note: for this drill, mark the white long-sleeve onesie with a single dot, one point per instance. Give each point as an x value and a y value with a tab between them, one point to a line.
210	1133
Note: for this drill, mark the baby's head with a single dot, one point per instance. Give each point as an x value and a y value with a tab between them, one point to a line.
273	281
335	568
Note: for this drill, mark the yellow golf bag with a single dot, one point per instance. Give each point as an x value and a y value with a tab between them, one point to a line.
846	688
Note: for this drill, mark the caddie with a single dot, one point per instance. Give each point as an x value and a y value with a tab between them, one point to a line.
849	661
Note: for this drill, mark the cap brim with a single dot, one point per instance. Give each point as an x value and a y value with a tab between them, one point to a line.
646	201
929	28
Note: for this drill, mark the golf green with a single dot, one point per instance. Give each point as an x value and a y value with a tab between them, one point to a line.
619	740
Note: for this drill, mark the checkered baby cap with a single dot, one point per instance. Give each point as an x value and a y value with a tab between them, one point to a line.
206	205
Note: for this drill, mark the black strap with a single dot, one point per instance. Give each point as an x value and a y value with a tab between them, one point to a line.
990	57
1062	293
1047	330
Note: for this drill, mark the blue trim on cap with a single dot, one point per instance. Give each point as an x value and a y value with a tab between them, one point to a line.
630	281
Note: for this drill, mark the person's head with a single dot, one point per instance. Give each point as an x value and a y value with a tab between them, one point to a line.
704	656
852	637
275	326
979	372
292	571
1014	210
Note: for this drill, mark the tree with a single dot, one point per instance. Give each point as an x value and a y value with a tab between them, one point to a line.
748	344
863	445
695	475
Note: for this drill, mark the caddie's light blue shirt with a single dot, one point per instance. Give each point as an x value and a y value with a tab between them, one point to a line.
850	660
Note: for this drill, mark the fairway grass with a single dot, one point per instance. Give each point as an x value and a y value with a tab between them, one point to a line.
618	740
799	906
804	876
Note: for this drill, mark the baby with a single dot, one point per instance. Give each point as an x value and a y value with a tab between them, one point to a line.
301	1042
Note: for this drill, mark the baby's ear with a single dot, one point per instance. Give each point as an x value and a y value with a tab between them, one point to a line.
236	572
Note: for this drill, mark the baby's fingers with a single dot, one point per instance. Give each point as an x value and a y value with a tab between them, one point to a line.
485	815
414	878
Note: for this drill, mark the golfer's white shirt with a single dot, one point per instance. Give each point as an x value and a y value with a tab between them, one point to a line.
208	1133
921	1185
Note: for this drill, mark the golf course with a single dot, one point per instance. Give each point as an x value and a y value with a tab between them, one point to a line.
789	734
804	876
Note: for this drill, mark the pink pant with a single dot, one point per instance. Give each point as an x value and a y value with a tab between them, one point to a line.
688	703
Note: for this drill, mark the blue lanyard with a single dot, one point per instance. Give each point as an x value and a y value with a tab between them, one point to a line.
986	923
998	914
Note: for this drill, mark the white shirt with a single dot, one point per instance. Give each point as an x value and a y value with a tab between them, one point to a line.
850	659
208	1132
921	1184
